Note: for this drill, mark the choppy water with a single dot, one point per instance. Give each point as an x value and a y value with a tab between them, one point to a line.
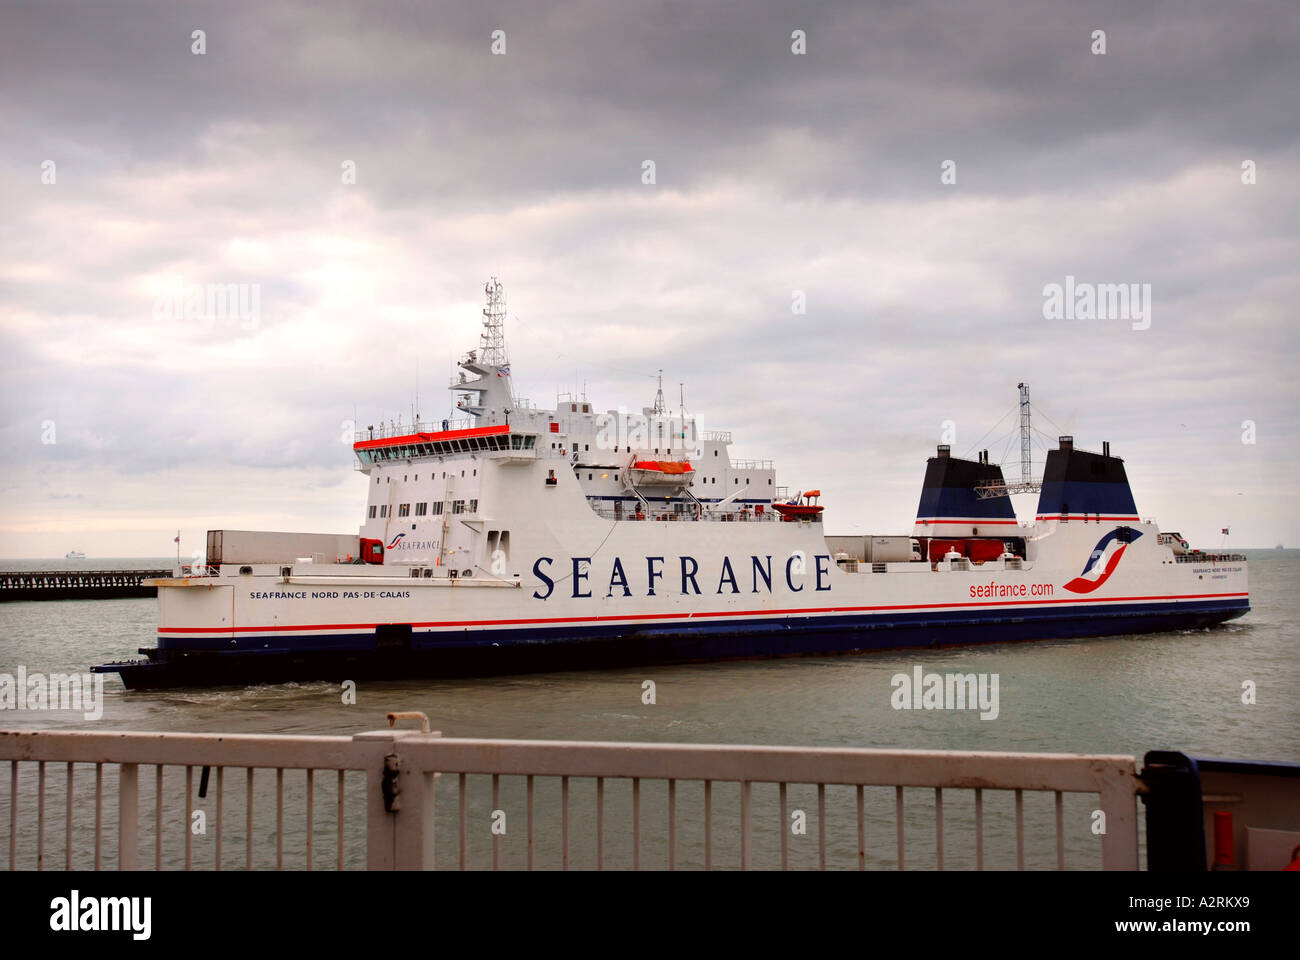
1127	694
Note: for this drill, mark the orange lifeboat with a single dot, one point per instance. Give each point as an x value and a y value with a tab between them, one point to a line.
661	473
800	507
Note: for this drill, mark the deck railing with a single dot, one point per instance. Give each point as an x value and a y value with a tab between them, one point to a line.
583	805
728	515
405	428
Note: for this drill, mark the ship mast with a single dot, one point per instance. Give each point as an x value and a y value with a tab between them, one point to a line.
658	409
489	397
492	342
1026	441
1027	483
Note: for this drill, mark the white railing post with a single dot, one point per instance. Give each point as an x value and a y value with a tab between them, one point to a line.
128	816
399	803
1119	844
413	836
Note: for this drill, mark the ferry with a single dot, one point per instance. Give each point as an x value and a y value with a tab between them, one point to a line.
515	538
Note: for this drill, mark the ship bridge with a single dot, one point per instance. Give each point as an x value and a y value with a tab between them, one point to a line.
654	464
411	444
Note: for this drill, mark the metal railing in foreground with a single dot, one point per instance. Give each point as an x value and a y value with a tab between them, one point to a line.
696	806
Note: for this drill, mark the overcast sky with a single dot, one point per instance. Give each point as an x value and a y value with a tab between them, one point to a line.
775	172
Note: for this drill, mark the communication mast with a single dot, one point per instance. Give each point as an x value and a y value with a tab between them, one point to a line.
1027	483
1026	440
492	342
659	410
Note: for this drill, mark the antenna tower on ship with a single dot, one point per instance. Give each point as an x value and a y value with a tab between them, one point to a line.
492	342
1027	483
659	408
1026	439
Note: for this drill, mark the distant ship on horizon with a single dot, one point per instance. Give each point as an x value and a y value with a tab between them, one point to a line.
74	555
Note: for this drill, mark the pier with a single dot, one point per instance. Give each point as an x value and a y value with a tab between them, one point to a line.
77	584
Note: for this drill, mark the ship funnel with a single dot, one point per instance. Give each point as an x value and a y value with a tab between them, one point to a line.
949	505
1081	485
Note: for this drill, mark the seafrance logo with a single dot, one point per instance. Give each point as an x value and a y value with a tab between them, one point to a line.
396	540
1102	563
750	574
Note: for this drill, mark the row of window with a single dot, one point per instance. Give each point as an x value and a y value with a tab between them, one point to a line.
405	451
407	476
433	508
703	480
587	447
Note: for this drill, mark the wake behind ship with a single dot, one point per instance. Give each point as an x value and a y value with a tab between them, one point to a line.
521	539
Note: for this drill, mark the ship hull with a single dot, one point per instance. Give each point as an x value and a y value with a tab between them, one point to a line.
539	581
491	651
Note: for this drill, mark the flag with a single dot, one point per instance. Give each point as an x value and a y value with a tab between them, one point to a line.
1224	531
178	537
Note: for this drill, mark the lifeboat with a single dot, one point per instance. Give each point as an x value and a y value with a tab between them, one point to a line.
800	507
661	473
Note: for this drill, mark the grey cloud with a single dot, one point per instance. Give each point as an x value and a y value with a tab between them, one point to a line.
776	173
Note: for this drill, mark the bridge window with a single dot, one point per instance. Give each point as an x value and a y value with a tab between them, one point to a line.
437	508
373	509
473	506
383	511
404	510
458	506
421	509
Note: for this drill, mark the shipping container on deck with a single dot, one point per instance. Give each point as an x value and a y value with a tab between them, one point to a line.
261	546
